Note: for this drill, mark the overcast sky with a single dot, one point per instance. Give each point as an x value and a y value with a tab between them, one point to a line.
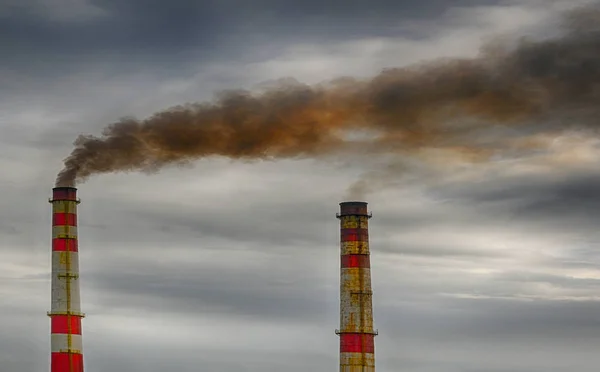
228	266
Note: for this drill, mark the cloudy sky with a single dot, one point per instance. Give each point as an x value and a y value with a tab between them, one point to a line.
229	266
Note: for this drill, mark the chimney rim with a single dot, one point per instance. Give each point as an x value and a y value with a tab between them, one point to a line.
354	202
64	188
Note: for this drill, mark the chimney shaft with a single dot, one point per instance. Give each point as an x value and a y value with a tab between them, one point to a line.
357	347
65	314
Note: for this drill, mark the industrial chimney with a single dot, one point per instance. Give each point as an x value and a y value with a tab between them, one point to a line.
65	314
357	346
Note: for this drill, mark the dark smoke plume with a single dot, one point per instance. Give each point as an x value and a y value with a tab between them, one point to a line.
442	104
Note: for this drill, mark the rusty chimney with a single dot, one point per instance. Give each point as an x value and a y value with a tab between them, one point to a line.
357	346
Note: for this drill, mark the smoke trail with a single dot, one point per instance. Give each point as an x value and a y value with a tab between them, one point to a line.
439	104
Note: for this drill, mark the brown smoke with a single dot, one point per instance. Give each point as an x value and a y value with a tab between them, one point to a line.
442	104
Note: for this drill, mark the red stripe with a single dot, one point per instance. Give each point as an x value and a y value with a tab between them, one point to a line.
354	235
357	343
64	244
356	260
60	324
60	362
59	219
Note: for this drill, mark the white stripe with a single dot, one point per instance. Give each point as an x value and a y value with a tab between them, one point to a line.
64	231
59	294
351	358
352	302
350	320
63	262
59	343
354	247
352	362
64	206
354	222
351	279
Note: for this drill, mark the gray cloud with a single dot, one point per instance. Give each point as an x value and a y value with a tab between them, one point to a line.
505	335
166	36
547	200
201	290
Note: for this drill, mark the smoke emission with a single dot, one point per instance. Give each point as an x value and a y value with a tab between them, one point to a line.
443	104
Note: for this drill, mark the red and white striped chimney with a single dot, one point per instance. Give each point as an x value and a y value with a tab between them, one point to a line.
357	346
65	313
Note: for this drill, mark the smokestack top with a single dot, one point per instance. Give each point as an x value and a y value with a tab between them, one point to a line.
64	193
353	208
